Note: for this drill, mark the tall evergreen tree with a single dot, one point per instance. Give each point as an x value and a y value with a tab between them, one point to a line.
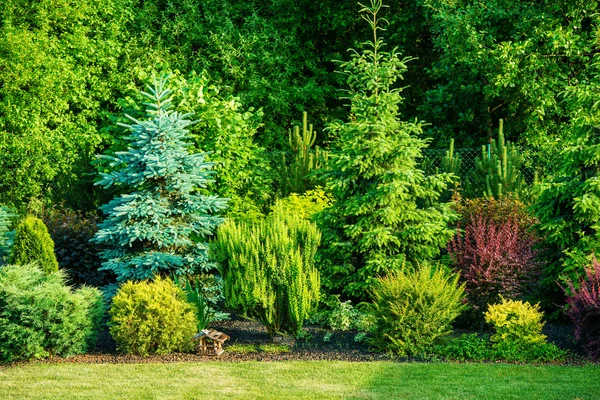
569	206
386	211
160	226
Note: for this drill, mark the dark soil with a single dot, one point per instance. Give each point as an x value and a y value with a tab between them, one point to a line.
340	347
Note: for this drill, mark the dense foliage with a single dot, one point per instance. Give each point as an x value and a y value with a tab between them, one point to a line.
152	318
569	207
269	270
413	308
584	309
385	209
33	244
71	232
160	225
40	315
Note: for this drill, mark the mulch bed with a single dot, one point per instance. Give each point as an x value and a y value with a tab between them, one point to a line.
341	347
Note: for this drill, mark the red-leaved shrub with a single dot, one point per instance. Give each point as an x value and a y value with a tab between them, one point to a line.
584	310
495	256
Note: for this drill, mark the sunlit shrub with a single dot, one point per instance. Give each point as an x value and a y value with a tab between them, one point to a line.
414	308
152	317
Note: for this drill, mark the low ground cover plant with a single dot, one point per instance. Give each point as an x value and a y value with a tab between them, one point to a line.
41	316
152	317
414	308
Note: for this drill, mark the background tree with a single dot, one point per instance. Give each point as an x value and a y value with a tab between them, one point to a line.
159	227
385	211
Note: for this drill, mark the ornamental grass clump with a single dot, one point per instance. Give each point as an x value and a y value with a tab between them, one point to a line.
413	308
269	271
152	317
584	310
41	316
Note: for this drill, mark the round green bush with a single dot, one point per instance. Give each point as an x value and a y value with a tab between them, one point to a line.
414	308
40	315
152	317
33	244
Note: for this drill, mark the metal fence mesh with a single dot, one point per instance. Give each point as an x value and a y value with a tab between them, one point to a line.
533	165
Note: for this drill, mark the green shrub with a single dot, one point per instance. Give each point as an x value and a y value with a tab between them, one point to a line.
268	269
152	317
466	347
473	347
414	308
342	316
33	244
41	316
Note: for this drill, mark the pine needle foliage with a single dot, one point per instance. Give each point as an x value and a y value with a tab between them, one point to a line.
269	270
386	210
33	244
161	224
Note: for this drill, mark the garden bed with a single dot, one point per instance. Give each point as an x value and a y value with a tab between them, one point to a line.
251	342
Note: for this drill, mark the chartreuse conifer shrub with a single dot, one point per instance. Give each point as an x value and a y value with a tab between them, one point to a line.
152	317
33	244
160	225
269	270
40	315
386	212
414	307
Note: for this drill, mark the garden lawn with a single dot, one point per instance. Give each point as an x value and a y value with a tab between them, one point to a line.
302	379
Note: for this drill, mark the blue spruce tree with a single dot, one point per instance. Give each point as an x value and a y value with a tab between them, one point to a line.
161	223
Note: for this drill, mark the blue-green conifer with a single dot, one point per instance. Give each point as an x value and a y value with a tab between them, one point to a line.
160	225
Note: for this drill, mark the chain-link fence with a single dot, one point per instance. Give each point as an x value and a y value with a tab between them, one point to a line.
533	165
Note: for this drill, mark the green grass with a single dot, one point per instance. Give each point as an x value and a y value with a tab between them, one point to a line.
305	380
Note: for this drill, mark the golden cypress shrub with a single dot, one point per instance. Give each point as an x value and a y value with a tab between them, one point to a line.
268	269
152	317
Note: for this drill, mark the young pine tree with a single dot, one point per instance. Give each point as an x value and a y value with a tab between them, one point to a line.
161	223
386	211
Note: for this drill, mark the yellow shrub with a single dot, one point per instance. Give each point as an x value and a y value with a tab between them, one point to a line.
516	321
152	317
305	205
